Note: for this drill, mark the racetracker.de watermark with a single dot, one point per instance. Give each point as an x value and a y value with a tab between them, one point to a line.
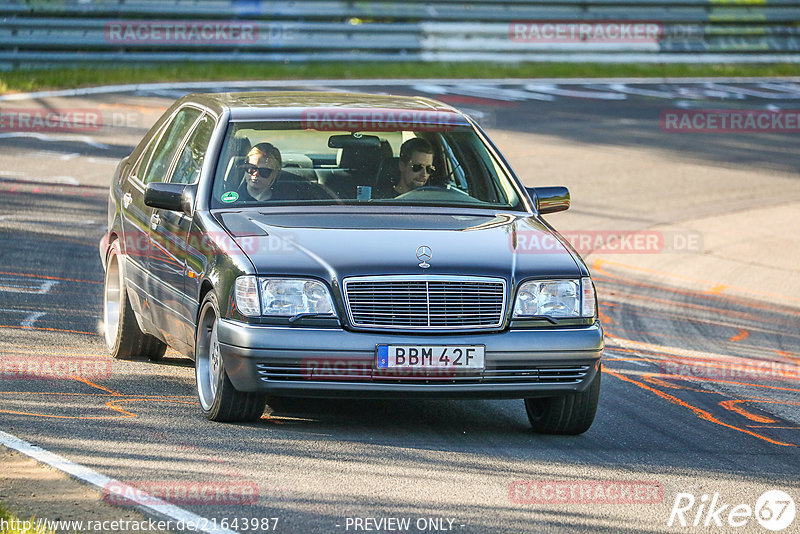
179	31
184	493
207	244
19	367
64	120
571	31
586	492
730	121
752	370
378	120
608	241
347	369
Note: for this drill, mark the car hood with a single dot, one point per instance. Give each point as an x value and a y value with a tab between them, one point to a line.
335	246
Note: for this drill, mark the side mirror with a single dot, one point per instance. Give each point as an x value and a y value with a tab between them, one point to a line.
172	197
549	199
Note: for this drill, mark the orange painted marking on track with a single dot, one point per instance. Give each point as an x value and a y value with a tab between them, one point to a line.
765	386
81	417
640	310
652	378
54	393
112	405
697	294
736	361
597	264
742	334
80	379
64	393
87	355
787	355
700	307
702	414
732	405
48	329
716	290
695	338
605	319
45	277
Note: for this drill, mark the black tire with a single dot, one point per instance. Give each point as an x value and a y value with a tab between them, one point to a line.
219	400
567	414
124	338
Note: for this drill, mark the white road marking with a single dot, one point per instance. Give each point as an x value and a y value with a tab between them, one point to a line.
62	180
554	90
109	89
49	138
11	285
481	91
147	503
752	92
31	318
622	88
54	154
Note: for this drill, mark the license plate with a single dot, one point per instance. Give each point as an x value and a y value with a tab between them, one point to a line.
431	356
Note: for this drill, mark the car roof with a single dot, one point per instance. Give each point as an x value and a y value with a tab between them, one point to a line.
299	105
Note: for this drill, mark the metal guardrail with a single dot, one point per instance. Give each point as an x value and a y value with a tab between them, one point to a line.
42	33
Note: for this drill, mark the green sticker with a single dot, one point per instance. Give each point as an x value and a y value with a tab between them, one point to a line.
230	196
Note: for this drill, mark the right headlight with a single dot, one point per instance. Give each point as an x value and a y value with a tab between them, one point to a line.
285	297
560	299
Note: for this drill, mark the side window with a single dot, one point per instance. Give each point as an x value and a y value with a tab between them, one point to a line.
141	165
187	170
170	141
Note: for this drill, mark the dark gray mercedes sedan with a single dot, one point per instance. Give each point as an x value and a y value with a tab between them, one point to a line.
346	245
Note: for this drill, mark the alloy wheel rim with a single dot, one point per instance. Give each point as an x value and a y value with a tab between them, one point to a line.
207	351
111	303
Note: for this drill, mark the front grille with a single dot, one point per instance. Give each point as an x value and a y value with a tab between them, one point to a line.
425	302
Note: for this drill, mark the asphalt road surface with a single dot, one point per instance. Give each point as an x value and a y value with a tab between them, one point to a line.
692	239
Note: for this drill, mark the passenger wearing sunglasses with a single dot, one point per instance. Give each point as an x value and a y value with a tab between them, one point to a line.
416	165
261	169
265	180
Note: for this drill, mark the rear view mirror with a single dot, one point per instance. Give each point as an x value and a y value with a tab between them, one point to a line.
354	141
549	199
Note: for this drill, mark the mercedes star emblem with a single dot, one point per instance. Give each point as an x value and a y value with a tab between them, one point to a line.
424	254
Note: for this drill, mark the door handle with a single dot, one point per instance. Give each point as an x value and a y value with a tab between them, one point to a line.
126	200
155	220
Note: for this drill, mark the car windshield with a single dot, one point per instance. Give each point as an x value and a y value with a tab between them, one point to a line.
285	163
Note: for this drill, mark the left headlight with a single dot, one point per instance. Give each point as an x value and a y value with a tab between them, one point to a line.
282	296
556	298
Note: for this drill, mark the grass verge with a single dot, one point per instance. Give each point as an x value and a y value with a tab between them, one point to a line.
66	78
10	524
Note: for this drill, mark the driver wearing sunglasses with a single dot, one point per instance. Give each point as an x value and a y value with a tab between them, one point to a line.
416	165
262	167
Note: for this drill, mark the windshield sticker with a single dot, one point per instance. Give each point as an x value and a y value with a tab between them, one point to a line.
230	196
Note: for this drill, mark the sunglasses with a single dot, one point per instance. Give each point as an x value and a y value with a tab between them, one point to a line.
264	172
430	169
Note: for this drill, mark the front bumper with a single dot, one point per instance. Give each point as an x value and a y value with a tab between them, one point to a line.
332	362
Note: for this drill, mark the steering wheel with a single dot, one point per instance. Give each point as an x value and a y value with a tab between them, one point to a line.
436	192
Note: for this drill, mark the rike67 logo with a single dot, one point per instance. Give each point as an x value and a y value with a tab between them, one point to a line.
774	510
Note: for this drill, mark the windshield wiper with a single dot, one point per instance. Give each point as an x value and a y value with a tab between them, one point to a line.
299	316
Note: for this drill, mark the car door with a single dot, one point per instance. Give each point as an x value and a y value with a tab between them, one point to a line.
169	235
135	239
156	169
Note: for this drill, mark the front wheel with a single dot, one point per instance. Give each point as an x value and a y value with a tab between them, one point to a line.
219	400
568	414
